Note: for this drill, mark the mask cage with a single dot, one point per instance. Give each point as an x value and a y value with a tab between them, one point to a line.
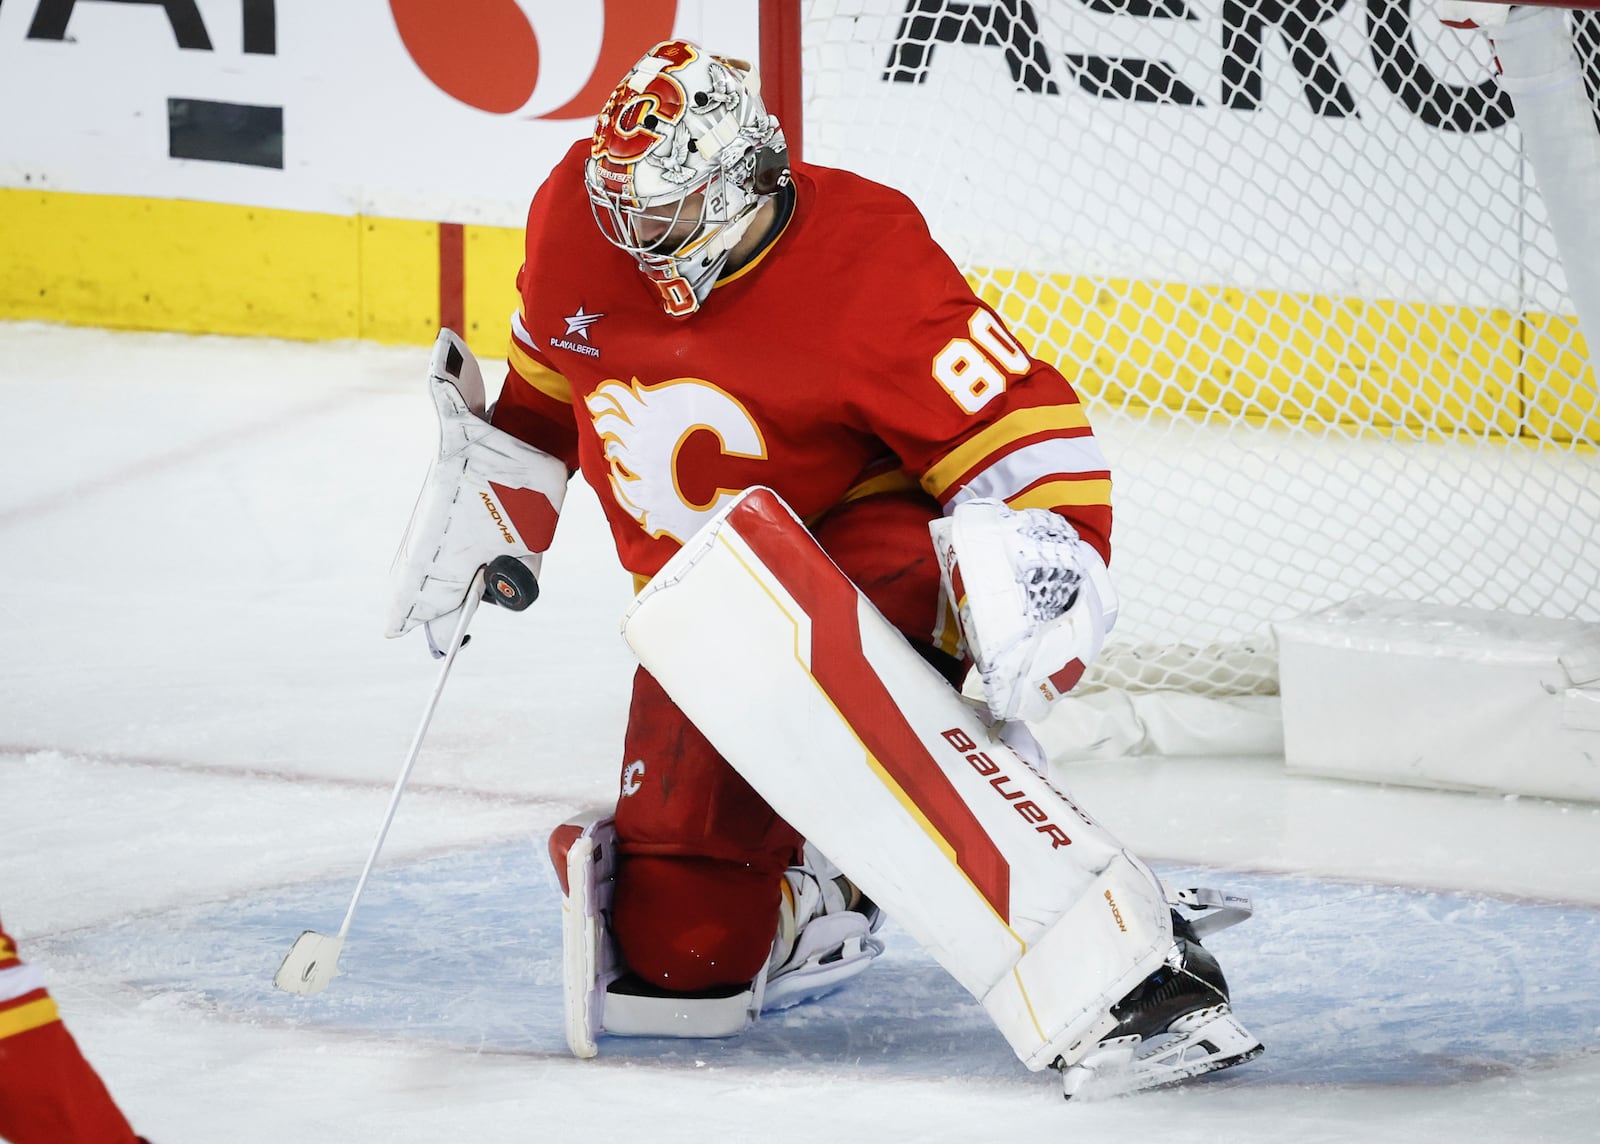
646	231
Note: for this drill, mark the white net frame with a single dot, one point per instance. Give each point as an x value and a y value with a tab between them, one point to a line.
1292	256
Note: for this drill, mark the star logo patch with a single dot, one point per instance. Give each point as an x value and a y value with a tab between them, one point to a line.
580	322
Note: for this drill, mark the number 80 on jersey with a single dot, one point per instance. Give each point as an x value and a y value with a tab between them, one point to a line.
976	369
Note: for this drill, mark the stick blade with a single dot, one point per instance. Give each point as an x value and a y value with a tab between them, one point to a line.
312	962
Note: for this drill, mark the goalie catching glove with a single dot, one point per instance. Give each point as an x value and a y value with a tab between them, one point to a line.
1034	601
489	501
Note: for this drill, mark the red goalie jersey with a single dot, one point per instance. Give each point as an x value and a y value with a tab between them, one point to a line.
849	357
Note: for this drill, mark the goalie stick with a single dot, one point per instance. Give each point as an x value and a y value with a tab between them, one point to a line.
313	961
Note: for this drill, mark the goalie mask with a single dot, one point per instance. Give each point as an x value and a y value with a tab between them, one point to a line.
683	156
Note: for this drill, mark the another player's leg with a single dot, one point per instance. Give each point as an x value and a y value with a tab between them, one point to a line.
49	1094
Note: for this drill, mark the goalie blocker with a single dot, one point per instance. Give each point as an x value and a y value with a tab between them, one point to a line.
822	706
489	501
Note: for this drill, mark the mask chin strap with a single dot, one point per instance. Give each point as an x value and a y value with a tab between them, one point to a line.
681	296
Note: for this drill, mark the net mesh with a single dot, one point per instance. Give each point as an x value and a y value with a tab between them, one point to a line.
1291	255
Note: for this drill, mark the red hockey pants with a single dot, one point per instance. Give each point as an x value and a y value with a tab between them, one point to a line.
701	856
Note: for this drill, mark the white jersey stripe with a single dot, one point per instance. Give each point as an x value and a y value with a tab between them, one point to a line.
518	330
1058	456
18	980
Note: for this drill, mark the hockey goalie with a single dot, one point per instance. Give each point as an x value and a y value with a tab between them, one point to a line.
840	483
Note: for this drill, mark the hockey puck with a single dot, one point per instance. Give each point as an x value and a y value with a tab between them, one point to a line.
510	583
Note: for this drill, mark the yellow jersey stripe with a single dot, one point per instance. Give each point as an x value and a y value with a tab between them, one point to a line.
546	380
1053	494
26	1017
1012	427
895	480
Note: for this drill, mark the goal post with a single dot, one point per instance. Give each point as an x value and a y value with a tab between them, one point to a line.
1542	69
1295	257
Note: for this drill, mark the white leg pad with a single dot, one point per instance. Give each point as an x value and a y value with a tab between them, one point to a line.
584	852
841	726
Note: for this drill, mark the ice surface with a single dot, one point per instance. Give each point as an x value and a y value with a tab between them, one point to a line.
199	724
1423	988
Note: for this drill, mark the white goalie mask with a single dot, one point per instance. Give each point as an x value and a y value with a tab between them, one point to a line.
683	155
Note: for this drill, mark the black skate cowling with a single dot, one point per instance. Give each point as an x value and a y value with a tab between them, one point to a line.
1171	992
1176	1025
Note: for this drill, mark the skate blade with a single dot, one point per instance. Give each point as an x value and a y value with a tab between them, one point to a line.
1205	1041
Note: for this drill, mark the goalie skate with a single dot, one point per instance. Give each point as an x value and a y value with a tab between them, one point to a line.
1178	1024
826	934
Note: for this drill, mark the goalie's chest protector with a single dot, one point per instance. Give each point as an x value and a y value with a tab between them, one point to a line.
786	377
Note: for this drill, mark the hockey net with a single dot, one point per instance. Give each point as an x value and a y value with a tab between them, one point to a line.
1293	257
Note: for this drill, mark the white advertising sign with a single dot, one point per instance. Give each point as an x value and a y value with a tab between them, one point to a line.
1324	147
403	109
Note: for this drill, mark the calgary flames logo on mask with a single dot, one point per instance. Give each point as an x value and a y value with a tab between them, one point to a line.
628	124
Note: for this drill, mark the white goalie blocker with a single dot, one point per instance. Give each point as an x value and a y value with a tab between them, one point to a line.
487	496
826	710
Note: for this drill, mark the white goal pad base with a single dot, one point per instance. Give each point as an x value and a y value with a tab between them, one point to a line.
1115	724
1423	695
841	726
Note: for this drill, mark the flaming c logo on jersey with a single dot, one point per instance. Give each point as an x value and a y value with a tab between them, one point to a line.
643	429
485	53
